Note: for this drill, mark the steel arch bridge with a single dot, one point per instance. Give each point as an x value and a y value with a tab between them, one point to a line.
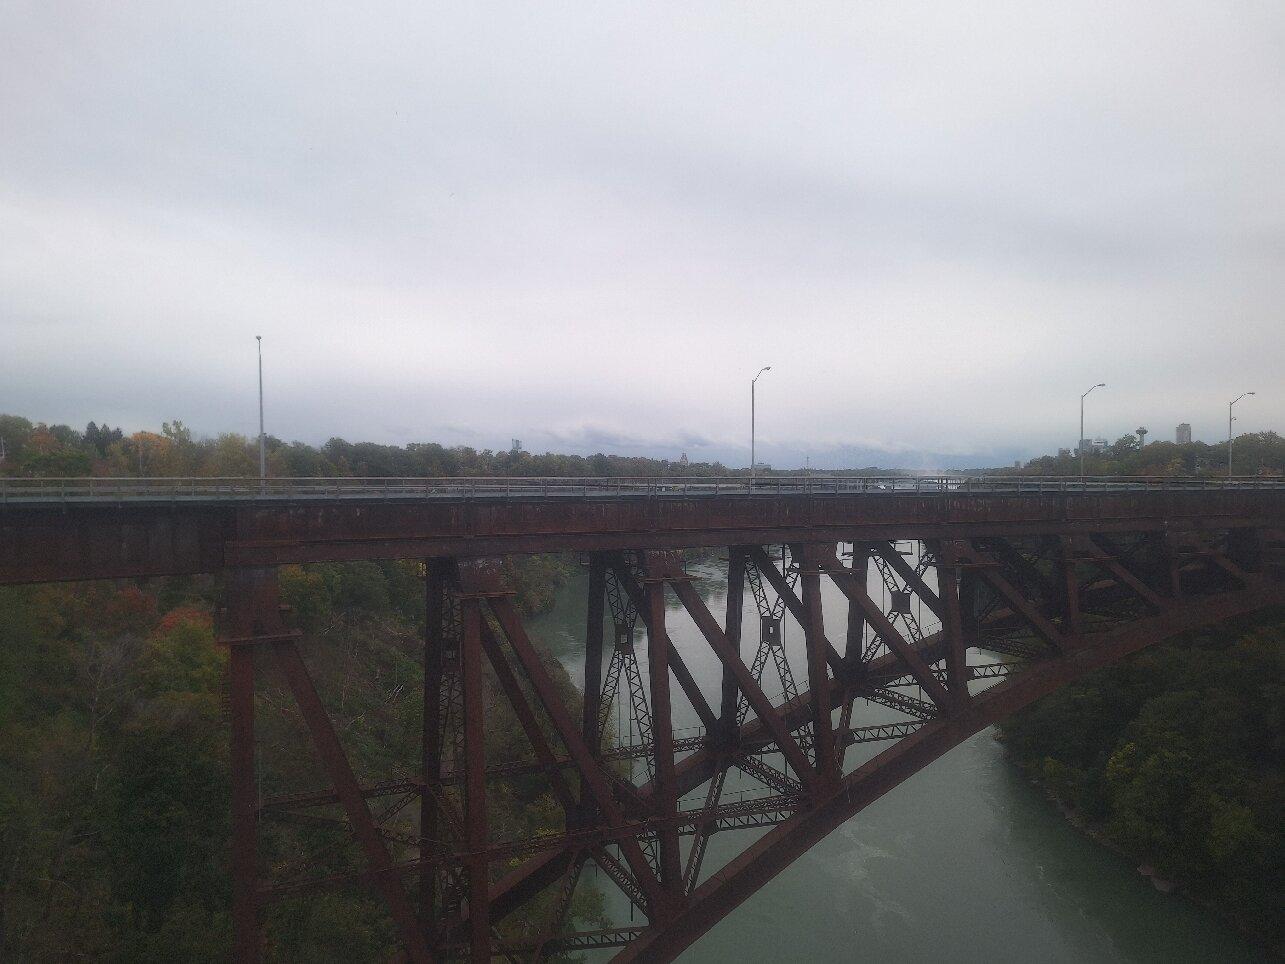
965	601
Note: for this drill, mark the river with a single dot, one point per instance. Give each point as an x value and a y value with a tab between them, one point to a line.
963	862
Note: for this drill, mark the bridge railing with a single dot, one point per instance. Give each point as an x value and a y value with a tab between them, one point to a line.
25	490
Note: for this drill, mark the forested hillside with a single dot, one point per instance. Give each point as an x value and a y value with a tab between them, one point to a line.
113	742
1175	756
113	761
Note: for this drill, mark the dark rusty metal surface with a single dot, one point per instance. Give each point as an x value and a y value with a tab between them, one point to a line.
1060	582
45	543
767	857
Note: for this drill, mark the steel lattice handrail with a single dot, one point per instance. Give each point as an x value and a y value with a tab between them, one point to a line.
208	489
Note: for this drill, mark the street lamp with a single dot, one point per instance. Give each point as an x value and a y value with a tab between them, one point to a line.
1080	445
765	368
1231	418
263	451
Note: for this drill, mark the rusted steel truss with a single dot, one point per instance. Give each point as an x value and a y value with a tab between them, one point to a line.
943	636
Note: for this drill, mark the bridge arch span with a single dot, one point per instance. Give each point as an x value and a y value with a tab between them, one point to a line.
730	886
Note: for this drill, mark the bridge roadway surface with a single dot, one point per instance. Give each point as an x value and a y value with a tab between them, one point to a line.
69	529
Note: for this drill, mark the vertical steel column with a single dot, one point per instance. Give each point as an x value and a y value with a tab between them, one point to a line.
856	618
595	615
1070	587
735	608
252	608
952	620
815	642
854	646
671	871
1171	561
245	918
435	587
475	828
969	584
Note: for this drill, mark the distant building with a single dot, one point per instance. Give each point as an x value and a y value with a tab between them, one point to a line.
516	447
1064	453
1017	463
1092	446
1182	435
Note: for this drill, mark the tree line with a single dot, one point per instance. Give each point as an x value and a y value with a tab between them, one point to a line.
37	449
1253	454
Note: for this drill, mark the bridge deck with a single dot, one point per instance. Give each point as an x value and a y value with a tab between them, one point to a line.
62	529
64	491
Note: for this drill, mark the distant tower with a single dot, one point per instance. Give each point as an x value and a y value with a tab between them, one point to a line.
1142	437
1183	434
516	447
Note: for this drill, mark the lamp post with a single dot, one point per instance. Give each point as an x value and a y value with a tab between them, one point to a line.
263	451
1231	418
753	381
1080	445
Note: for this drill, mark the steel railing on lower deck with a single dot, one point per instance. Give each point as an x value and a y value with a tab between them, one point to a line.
63	490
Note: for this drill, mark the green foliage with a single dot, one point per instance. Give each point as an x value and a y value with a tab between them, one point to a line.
537	579
164	819
113	763
38	449
61	463
1252	453
1178	753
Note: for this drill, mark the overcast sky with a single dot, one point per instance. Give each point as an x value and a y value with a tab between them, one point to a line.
587	225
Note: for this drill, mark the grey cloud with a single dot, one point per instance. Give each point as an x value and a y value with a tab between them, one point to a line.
587	226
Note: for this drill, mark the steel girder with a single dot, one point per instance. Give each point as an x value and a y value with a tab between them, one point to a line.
103	539
1056	604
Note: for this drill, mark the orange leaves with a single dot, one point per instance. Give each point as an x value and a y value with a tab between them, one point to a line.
182	617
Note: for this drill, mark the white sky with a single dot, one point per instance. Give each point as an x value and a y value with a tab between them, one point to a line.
587	225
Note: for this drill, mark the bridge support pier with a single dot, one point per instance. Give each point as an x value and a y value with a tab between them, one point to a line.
252	614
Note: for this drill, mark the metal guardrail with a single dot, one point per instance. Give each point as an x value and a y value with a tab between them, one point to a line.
69	490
